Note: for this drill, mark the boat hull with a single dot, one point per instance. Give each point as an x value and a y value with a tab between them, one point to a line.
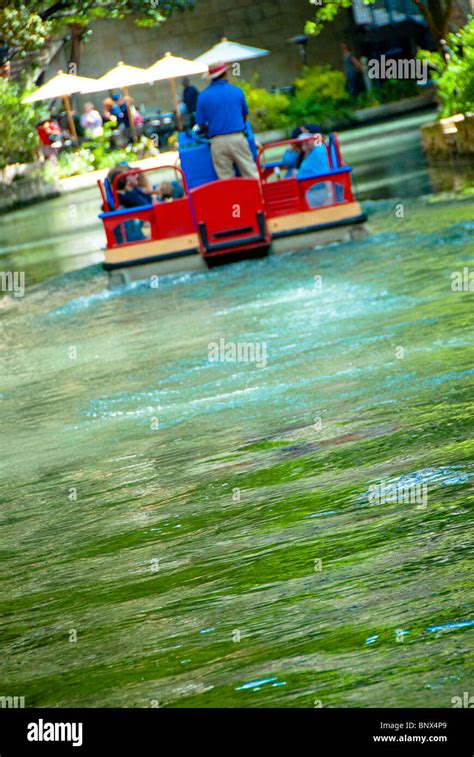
332	228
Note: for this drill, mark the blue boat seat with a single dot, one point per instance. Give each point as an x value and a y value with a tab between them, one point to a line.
109	195
333	152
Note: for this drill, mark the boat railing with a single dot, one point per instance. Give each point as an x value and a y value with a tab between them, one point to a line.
265	168
326	182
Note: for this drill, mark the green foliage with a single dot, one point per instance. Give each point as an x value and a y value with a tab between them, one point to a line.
320	96
389	91
68	164
25	27
95	154
456	79
21	28
326	11
99	153
267	110
18	139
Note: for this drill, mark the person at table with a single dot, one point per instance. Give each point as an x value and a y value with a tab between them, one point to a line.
49	134
108	114
91	121
115	109
222	111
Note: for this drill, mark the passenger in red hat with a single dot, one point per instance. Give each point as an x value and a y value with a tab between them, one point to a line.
221	112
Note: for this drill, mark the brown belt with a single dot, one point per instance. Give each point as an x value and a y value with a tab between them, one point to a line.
229	134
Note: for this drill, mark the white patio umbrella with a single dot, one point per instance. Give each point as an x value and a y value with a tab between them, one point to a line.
121	77
171	67
229	52
62	85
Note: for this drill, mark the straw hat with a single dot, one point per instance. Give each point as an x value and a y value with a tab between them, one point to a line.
215	70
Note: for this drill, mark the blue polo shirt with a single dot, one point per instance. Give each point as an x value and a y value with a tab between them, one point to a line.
222	107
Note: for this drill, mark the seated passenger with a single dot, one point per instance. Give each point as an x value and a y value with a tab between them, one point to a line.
297	153
169	190
130	194
134	190
292	159
306	129
315	159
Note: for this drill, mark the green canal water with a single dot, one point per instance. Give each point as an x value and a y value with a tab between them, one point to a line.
179	532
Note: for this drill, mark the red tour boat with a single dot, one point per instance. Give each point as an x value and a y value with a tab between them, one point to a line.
297	203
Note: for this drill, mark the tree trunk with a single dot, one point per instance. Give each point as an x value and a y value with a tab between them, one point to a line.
76	48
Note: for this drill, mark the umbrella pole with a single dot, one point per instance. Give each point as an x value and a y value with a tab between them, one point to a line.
179	120
72	125
133	128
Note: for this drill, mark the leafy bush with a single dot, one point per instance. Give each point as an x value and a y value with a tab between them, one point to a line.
267	110
95	154
320	96
18	139
456	79
68	164
389	91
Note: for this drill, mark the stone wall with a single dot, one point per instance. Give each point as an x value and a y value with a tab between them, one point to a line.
449	136
263	23
26	190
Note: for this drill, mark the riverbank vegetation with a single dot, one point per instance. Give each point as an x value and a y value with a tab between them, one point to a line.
268	110
95	154
318	96
455	79
18	140
455	83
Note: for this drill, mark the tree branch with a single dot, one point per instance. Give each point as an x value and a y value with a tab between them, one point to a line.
435	32
446	19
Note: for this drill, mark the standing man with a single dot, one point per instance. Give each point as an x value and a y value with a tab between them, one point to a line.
190	98
222	111
353	71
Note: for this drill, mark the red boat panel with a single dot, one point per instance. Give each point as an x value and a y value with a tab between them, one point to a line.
230	216
281	197
125	226
338	188
172	219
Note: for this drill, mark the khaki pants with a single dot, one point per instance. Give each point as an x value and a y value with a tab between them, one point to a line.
229	149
